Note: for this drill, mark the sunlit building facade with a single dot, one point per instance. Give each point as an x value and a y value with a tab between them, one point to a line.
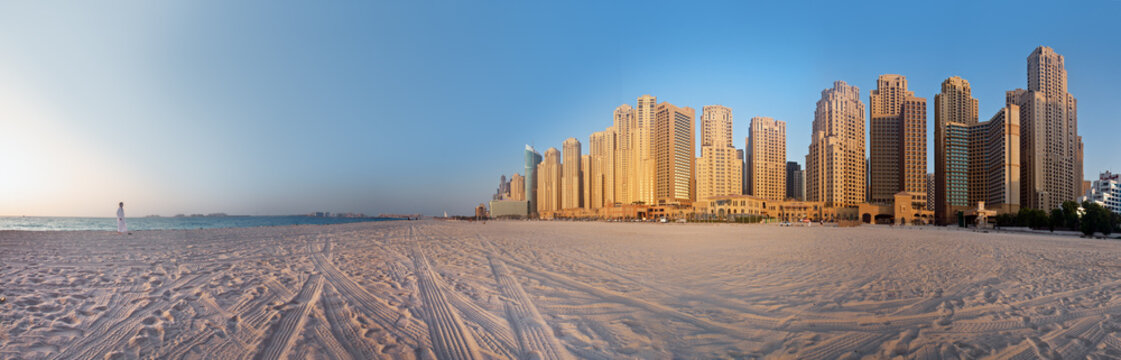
517	187
1051	149
601	178
897	141
674	146
572	183
955	111
836	166
549	181
766	158
643	173
719	169
624	123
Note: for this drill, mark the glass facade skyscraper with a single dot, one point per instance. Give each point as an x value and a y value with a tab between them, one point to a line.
532	158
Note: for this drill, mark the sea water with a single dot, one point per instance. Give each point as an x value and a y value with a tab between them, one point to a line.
39	223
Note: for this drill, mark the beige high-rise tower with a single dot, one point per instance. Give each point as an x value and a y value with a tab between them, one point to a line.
766	158
1050	147
625	122
585	181
719	169
994	161
601	179
836	165
549	181
955	110
898	141
643	174
572	189
674	147
517	187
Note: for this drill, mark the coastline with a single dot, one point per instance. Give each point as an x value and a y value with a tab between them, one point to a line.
46	223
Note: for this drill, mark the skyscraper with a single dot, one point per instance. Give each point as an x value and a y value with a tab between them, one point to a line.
1050	147
719	169
743	171
532	159
643	174
766	158
517	187
602	147
585	181
571	183
836	167
625	123
503	191
930	190
800	185
795	182
674	147
898	141
549	181
994	161
955	110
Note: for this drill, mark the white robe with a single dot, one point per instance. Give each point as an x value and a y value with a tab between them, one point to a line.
121	227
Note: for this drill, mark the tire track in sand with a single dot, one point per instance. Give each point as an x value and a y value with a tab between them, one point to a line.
535	338
1035	347
855	343
116	323
342	325
735	330
285	331
410	332
450	339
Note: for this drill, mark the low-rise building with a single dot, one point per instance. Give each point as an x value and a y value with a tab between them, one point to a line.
907	208
481	212
734	206
1106	191
509	209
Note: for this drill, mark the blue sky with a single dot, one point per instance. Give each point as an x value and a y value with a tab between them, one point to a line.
264	107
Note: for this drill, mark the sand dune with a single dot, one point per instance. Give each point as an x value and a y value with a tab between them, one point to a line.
557	290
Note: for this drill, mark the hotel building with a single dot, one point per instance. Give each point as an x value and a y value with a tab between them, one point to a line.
1051	149
643	173
766	158
674	147
625	123
898	141
719	169
836	166
571	182
601	169
955	110
994	161
549	182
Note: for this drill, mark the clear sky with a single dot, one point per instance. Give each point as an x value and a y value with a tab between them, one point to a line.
281	107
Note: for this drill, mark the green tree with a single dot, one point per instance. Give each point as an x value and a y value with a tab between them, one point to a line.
1023	217
1056	218
1070	214
1096	219
1004	220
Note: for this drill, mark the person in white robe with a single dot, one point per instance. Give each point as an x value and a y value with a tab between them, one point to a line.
121	227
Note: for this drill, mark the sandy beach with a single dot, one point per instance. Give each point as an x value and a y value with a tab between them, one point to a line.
557	290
